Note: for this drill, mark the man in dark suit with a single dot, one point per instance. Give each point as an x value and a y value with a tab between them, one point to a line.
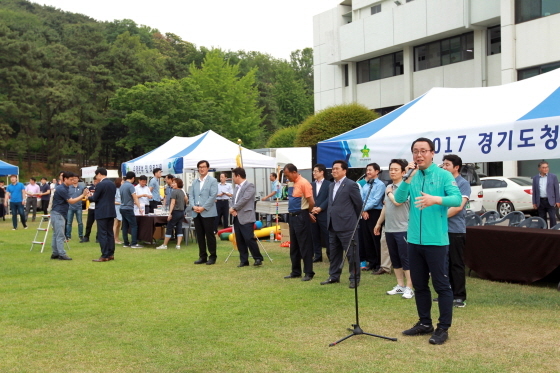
545	193
319	230
105	214
243	212
343	211
202	197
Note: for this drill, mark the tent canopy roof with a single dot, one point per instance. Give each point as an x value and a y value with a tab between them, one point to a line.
458	119
8	169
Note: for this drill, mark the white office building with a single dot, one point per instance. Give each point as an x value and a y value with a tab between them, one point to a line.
385	53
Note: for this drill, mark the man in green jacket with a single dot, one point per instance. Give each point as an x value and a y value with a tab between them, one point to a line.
432	190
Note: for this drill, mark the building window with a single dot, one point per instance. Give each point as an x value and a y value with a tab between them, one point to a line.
346	80
376	9
533	71
380	67
444	52
494	40
526	10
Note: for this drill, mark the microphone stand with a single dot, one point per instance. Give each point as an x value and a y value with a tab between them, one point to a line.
356	329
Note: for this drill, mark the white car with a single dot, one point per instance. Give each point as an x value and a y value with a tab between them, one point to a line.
507	194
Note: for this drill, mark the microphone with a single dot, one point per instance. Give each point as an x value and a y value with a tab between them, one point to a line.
410	171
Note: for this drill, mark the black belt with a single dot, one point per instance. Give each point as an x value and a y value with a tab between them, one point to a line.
296	213
544	198
222	200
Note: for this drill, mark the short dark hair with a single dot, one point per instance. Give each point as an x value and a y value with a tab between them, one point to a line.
375	166
67	175
130	175
424	139
179	182
290	167
239	171
343	164
401	162
541	163
44	178
143	177
274	174
32	178
118	182
156	170
321	167
201	162
454	159
101	170
169	176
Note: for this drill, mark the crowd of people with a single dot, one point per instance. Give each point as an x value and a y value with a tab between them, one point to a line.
421	214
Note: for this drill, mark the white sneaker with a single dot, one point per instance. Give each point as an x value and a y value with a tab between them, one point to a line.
408	293
178	247
162	247
396	290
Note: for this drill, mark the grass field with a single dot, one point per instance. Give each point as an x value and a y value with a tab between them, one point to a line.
155	311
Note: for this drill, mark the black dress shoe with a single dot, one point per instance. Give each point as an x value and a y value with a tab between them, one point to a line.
292	276
82	240
200	261
353	284
243	265
258	262
317	260
307	278
64	257
330	281
54	256
85	239
210	262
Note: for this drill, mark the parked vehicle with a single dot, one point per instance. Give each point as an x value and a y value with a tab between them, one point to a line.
507	194
475	203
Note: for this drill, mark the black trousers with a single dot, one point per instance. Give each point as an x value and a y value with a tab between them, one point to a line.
89	223
545	208
301	244
371	242
222	206
45	206
457	265
320	235
338	242
245	239
204	228
106	236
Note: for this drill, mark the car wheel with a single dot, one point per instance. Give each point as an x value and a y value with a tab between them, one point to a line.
505	207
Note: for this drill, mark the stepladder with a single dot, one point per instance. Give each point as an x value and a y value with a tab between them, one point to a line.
44	229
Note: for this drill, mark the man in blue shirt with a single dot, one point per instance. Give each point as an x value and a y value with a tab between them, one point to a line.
457	229
154	188
372	211
75	209
15	193
59	212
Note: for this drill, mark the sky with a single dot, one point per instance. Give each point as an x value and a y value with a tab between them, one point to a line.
273	27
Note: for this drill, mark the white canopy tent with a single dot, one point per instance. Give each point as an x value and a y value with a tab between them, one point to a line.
181	154
511	122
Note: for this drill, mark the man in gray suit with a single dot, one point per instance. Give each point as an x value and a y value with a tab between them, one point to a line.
202	196
243	212
319	230
345	204
545	193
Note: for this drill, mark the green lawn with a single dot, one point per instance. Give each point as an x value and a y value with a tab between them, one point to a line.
155	311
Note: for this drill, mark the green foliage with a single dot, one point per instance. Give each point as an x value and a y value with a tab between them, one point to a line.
333	121
283	138
293	102
235	97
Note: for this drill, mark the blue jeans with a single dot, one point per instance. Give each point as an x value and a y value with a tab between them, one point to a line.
69	219
426	260
129	220
58	223
17	208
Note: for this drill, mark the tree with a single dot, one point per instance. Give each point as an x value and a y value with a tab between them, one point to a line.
283	138
333	121
301	61
235	98
293	102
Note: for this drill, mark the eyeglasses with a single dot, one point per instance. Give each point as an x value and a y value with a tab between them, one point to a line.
423	152
202	167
